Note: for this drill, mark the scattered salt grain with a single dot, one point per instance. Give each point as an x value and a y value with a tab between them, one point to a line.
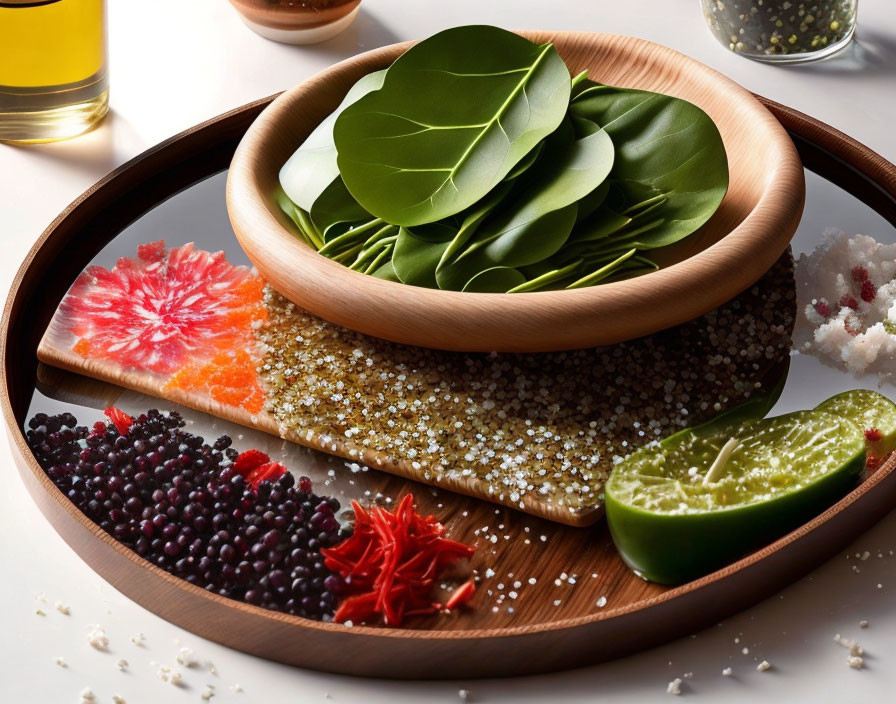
97	637
187	658
464	695
745	650
602	602
87	696
727	672
63	609
236	688
854	648
139	640
763	666
118	699
674	687
166	674
61	662
863	624
207	693
856	662
122	665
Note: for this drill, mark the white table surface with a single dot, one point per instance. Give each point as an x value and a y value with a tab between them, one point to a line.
175	63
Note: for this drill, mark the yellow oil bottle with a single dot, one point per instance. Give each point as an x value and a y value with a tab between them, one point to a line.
54	81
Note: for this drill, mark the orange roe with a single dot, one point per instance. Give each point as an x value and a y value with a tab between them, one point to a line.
82	347
228	378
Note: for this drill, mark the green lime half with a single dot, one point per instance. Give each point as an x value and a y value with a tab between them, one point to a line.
874	413
702	498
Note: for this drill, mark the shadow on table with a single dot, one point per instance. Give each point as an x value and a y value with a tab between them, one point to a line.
97	152
365	33
872	53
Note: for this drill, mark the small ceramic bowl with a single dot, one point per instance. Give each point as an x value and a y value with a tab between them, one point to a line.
297	21
750	230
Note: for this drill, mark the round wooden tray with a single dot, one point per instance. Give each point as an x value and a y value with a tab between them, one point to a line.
538	635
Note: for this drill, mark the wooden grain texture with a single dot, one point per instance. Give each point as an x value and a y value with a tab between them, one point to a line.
750	230
538	636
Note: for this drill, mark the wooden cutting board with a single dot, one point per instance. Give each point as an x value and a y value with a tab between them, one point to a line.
537	432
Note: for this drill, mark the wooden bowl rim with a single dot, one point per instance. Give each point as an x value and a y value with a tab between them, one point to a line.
783	196
854	156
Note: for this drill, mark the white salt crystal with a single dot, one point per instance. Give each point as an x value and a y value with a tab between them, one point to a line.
97	638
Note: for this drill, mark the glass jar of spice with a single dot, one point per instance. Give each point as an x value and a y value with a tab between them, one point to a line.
782	31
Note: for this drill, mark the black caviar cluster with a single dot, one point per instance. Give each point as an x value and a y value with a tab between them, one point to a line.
179	503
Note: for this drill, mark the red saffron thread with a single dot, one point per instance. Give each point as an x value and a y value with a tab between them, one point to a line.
391	564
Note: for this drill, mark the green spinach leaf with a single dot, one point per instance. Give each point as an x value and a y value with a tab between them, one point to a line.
535	241
473	218
517	236
498	279
418	251
455	114
669	153
313	167
335	207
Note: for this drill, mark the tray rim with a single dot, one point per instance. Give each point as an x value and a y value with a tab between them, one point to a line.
72	524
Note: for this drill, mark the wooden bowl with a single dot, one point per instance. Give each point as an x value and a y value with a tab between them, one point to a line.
296	24
742	240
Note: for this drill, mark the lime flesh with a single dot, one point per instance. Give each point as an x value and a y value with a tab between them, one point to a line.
871	411
702	498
